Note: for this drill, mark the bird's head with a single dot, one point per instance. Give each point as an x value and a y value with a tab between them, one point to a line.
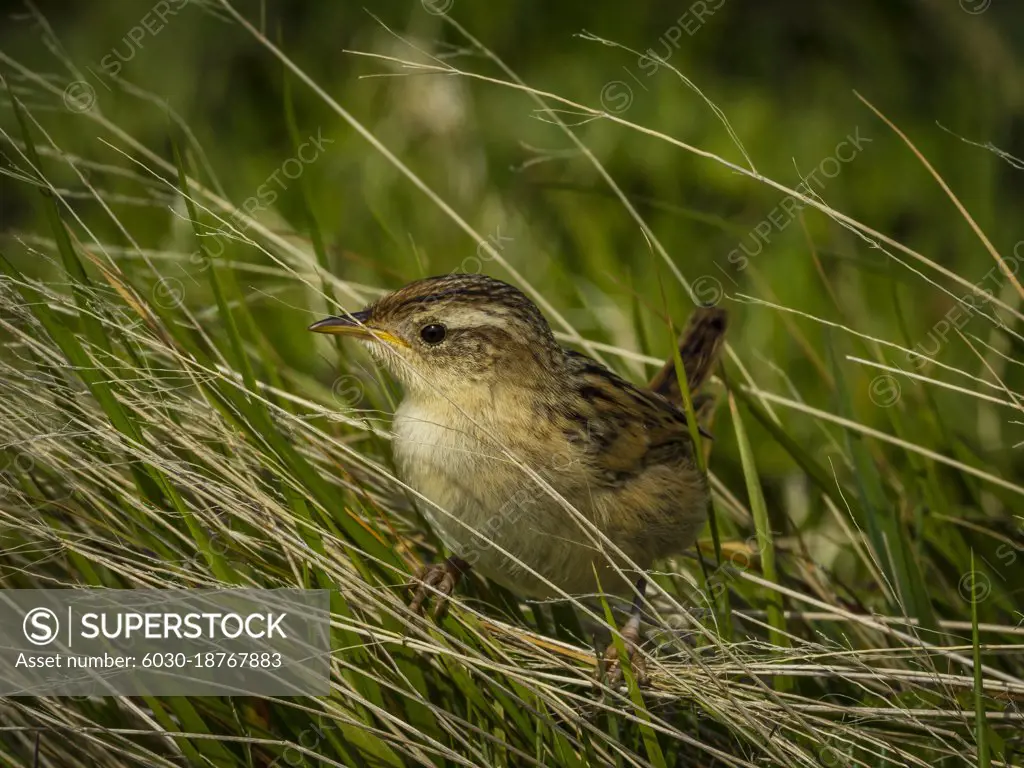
446	333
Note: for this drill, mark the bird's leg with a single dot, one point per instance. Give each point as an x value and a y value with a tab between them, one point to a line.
440	578
630	637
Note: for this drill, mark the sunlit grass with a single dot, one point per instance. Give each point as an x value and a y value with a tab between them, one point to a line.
160	429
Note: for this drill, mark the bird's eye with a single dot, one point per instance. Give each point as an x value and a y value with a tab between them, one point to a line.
433	333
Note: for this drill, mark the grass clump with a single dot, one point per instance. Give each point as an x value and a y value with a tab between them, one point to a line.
165	422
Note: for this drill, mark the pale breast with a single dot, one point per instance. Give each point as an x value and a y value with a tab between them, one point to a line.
438	455
488	503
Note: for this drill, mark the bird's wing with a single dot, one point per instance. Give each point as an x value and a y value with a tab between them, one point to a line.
620	430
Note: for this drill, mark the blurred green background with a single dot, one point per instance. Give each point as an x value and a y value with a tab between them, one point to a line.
782	72
887	494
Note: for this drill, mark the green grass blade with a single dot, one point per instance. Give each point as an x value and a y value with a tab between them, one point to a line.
762	527
726	621
224	311
650	738
981	727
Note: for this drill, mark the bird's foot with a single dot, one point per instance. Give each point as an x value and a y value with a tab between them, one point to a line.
440	580
610	667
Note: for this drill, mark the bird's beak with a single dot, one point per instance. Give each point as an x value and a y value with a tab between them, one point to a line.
355	325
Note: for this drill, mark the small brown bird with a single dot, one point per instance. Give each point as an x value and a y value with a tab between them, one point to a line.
530	452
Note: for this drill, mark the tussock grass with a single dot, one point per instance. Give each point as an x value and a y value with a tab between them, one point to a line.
155	434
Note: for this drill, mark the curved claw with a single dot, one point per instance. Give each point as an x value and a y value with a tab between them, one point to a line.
612	671
439	579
